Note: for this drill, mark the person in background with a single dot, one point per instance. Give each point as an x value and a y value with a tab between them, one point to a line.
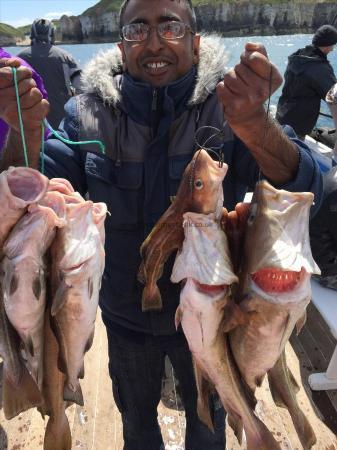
145	99
59	70
308	78
331	99
31	89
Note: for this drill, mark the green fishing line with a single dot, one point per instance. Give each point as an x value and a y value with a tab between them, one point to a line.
44	124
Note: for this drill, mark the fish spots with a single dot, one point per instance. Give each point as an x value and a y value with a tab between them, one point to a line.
13	284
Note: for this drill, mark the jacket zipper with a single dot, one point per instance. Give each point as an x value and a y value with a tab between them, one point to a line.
153	110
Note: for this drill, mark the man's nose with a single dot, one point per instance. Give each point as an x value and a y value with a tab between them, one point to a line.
154	42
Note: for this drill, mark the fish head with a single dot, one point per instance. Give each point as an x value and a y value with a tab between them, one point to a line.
277	251
201	187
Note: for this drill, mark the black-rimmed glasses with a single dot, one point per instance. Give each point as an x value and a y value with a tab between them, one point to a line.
138	32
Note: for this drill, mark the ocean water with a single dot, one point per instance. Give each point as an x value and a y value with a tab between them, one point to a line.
278	48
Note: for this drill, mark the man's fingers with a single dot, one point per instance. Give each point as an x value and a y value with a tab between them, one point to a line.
6	75
31	117
261	66
9	62
256	47
30	98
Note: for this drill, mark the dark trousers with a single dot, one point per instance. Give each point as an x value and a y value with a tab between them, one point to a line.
136	367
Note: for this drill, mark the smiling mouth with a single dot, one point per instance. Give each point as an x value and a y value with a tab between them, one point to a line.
154	66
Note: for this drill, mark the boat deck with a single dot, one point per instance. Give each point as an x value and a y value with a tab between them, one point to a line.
97	426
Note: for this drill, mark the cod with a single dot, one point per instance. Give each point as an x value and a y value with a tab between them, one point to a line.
274	291
198	189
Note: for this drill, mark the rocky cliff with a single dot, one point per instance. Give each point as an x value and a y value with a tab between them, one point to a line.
229	19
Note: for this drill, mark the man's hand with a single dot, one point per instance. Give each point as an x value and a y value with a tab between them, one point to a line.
247	86
242	94
33	107
33	110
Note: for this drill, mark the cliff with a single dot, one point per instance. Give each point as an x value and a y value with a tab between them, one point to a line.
235	18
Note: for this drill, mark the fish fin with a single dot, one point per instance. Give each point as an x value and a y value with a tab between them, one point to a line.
89	341
261	438
232	317
301	322
57	434
59	299
21	398
141	276
259	380
73	396
81	372
151	299
293	382
30	346
236	425
177	317
204	388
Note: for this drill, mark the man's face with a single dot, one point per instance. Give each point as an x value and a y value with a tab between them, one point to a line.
156	60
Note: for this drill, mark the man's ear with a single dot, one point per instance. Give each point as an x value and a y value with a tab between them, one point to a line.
121	48
196	48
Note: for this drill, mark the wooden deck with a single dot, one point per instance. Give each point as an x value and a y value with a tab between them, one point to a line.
97	426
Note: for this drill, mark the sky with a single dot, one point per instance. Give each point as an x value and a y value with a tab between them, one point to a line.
22	12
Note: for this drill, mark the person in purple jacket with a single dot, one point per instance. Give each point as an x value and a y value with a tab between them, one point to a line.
31	89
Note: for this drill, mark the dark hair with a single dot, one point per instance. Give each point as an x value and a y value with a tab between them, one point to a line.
191	12
42	30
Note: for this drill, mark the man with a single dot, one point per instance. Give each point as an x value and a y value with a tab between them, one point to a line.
308	78
57	67
146	99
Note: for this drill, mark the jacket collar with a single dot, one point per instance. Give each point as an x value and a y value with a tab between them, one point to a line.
100	75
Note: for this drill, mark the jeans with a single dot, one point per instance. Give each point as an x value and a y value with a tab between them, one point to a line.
136	367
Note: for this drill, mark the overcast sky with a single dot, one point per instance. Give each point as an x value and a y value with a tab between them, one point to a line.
23	12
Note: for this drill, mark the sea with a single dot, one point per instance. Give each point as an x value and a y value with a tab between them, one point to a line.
278	48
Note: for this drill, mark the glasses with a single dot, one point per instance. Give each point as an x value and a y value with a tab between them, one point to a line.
139	32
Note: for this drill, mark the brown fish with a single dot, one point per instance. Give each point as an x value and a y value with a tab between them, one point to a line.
19	187
19	390
198	192
284	387
77	267
57	434
274	285
24	274
207	312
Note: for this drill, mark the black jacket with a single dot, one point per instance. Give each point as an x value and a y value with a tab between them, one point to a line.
308	78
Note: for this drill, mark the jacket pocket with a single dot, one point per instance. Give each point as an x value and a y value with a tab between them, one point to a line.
177	166
120	187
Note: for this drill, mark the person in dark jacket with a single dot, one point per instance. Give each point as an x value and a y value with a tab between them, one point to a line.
145	99
307	80
59	70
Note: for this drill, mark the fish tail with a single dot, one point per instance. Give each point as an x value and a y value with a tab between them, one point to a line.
151	299
261	438
73	395
22	397
57	435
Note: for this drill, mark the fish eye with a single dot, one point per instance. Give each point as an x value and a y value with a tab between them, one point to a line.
198	184
252	213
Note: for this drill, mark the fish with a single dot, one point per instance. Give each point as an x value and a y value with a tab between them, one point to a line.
283	388
78	258
24	274
60	185
19	390
207	313
274	278
274	291
57	433
198	189
19	187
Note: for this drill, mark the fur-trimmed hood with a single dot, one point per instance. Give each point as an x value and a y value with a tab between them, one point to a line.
98	75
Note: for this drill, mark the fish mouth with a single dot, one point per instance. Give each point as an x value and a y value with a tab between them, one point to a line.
278	281
211	289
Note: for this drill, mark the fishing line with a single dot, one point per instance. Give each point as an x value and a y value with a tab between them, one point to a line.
264	138
44	124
